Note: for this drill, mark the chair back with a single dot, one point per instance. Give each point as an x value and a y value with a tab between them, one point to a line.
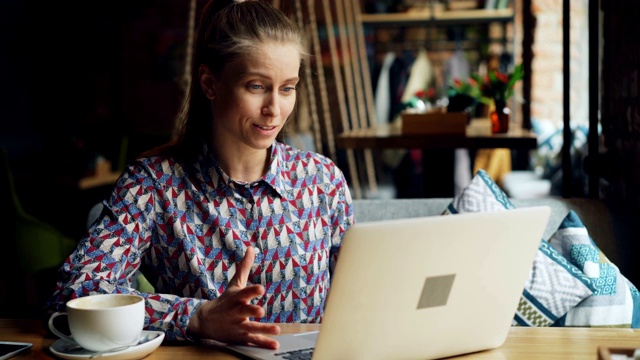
8	197
38	244
39	248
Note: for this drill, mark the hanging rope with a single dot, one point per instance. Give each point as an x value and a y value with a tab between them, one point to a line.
185	79
353	76
191	25
313	108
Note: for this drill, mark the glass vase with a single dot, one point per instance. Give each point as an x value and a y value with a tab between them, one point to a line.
500	117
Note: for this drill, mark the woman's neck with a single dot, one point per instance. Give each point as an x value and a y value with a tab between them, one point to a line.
242	163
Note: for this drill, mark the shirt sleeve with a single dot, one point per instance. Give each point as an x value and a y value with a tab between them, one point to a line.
108	256
343	215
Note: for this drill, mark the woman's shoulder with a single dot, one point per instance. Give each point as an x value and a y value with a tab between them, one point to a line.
293	159
157	162
292	154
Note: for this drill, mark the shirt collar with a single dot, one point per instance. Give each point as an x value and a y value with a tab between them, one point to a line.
216	178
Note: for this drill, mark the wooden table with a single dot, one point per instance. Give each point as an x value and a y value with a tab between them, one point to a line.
438	158
391	137
522	343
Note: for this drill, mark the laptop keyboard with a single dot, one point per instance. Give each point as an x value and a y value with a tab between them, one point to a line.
300	354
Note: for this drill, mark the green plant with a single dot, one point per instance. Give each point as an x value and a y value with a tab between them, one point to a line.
497	85
467	87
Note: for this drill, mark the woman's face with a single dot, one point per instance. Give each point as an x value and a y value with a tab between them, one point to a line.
254	97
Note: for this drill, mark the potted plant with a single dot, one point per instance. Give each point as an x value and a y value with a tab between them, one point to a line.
463	95
498	87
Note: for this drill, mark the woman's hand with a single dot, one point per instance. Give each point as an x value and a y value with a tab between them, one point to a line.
226	318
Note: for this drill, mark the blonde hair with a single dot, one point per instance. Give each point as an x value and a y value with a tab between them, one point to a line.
228	30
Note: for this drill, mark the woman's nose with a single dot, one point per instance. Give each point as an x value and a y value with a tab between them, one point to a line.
271	106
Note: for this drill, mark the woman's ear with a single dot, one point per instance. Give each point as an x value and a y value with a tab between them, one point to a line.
207	82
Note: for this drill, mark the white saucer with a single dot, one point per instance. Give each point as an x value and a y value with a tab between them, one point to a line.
59	348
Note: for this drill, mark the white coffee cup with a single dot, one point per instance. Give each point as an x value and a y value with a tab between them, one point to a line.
102	322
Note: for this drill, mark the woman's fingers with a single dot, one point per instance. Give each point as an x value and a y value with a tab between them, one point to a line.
249	293
243	268
244	310
263	341
260	334
262	328
232	310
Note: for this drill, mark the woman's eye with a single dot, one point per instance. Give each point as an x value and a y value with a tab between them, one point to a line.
289	89
255	86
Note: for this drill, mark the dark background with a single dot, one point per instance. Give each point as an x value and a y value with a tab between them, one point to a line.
82	79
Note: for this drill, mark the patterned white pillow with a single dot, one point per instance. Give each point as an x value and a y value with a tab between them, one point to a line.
481	195
615	301
554	286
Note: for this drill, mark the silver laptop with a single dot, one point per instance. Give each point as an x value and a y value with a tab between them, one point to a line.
423	288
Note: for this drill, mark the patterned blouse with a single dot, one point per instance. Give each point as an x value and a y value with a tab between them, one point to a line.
187	226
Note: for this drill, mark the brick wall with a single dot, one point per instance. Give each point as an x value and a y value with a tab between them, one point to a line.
547	65
619	165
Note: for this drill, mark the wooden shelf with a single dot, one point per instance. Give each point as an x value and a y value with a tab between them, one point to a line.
450	17
390	136
98	180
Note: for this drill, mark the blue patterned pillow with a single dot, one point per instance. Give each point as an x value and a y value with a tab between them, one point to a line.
554	286
615	301
481	195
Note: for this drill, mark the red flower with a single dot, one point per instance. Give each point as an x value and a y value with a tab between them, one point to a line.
459	87
428	95
502	77
499	86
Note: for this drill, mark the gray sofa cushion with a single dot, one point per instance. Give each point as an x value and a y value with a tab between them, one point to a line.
595	214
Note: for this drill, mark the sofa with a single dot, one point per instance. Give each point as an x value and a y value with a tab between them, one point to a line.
610	227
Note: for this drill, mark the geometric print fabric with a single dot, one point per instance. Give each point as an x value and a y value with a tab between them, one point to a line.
554	285
615	301
188	225
482	194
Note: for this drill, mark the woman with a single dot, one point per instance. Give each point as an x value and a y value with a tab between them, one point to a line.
235	230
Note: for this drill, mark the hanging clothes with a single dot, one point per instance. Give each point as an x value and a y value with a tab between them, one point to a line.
407	164
458	67
420	75
398	77
383	90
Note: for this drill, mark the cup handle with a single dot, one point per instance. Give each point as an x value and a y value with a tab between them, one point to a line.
56	331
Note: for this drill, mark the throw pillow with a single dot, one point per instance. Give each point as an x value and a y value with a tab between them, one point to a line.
554	286
615	301
482	194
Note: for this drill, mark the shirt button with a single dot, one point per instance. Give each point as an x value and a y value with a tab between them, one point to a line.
247	206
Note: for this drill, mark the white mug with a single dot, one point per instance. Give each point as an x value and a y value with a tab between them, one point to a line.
102	322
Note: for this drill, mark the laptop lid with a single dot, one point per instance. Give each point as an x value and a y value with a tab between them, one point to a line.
427	287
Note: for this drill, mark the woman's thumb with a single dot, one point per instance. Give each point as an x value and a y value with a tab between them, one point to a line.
243	268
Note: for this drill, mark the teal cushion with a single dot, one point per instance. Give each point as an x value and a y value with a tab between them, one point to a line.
615	301
554	286
481	195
